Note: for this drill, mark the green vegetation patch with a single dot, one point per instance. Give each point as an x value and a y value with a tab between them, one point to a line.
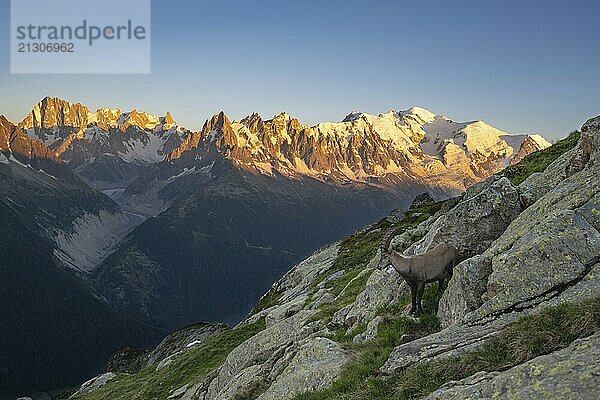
356	251
539	161
395	329
552	329
191	366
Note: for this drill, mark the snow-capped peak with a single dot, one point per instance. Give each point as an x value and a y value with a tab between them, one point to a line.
424	115
353	116
539	140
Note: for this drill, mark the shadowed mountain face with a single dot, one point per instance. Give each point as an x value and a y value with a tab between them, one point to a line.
213	253
55	332
83	224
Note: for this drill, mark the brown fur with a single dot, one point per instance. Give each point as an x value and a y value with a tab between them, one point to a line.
431	266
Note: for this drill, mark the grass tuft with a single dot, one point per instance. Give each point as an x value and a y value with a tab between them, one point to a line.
395	329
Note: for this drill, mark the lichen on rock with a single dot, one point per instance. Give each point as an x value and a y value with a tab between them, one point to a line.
571	373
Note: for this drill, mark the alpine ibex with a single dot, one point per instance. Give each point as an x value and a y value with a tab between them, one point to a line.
433	265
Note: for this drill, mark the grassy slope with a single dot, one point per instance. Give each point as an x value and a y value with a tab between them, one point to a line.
53	332
553	329
368	357
356	251
189	367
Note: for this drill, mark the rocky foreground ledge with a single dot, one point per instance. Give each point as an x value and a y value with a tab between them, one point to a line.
519	318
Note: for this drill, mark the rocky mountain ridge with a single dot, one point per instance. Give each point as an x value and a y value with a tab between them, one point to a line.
414	145
83	224
108	148
396	152
521	314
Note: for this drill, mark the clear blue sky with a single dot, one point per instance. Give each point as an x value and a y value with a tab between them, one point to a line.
522	66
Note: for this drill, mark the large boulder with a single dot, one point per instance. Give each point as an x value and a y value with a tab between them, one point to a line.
292	289
571	373
476	221
384	288
93	384
552	244
421	200
465	289
318	362
257	350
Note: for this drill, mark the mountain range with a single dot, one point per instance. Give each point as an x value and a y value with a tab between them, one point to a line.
163	226
109	149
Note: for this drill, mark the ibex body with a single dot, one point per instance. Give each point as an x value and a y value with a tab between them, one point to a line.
434	265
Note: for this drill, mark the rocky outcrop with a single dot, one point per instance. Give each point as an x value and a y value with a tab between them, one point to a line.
421	200
16	145
468	284
476	221
315	366
292	354
530	261
384	288
294	285
128	361
571	373
107	148
547	255
55	112
251	357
